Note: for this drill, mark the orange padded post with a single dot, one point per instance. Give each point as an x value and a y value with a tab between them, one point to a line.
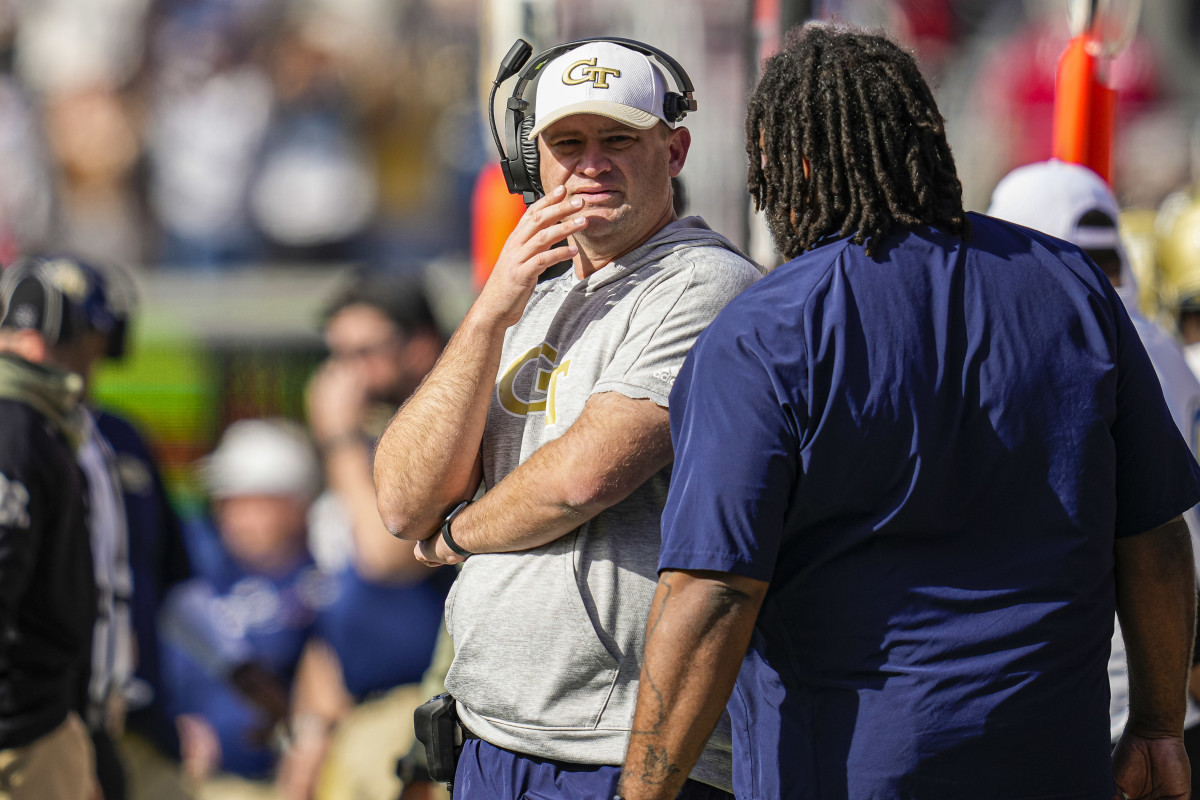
494	215
1084	110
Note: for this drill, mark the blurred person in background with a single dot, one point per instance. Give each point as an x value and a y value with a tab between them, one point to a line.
1179	265
156	552
78	58
47	581
356	688
1073	203
137	543
313	196
413	767
209	106
94	145
113	647
328	114
236	631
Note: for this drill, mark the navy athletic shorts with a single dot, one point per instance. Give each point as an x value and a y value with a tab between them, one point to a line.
486	772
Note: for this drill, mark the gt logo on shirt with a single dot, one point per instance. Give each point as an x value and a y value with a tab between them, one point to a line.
544	380
14	503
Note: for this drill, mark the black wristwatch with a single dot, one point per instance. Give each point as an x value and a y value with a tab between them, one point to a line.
446	530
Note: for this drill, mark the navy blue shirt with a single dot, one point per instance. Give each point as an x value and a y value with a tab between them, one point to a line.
271	615
383	633
928	453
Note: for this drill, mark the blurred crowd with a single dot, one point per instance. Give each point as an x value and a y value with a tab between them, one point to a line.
271	645
294	653
208	132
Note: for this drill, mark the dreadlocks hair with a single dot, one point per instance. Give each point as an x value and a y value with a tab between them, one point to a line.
844	137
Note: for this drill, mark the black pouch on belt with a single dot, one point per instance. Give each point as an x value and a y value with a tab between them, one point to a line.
437	728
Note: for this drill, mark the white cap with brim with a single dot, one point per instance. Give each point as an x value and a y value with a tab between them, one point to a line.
1052	197
600	78
262	457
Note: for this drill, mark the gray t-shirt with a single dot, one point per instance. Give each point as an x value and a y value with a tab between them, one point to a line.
548	641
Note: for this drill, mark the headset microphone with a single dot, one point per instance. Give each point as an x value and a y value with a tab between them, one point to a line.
512	62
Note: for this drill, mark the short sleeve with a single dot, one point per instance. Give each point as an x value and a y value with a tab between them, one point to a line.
736	461
1157	476
669	317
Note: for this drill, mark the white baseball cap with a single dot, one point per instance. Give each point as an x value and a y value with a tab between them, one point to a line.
262	456
1052	196
601	78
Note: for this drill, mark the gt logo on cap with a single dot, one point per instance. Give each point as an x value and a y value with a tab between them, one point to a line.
597	75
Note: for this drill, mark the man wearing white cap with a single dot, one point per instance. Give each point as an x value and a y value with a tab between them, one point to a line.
236	630
553	397
1071	202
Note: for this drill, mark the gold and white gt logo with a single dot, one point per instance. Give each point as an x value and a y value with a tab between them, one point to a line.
590	72
545	380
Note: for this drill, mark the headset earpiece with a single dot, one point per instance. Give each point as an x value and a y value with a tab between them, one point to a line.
529	156
28	282
676	106
518	121
59	295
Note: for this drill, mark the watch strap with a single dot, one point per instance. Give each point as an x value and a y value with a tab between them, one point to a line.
447	538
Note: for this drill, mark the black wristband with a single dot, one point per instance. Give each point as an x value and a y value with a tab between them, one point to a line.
446	530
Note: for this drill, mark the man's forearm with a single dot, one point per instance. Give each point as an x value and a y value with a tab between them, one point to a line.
615	446
1156	603
519	514
699	628
426	459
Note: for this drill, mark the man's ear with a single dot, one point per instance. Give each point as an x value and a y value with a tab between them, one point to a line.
679	143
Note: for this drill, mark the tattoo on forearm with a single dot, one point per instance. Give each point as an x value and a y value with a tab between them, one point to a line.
657	768
647	679
664	581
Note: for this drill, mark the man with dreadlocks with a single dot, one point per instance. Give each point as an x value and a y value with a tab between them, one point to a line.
916	470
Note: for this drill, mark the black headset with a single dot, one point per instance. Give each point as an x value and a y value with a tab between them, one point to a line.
520	161
64	309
